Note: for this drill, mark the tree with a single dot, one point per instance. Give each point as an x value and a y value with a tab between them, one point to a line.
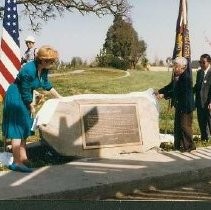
161	63
137	52
169	62
145	63
43	10
195	64
76	61
122	47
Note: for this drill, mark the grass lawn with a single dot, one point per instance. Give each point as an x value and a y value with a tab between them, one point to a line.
96	80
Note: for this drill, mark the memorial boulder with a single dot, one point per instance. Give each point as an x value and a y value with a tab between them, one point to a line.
100	125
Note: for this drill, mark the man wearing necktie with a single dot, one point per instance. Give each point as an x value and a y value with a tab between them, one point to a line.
202	90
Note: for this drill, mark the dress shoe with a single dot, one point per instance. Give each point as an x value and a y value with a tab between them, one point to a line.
182	150
176	148
191	148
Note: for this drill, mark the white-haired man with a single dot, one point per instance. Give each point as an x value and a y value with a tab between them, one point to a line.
180	91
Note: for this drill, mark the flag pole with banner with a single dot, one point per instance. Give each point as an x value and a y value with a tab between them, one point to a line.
10	55
182	40
182	44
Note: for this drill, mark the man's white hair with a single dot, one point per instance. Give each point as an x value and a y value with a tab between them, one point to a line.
181	61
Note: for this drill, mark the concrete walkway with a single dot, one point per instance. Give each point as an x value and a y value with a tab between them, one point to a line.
100	178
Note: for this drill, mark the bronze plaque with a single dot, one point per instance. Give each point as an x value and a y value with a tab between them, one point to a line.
109	125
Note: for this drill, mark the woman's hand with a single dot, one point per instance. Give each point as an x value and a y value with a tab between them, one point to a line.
39	99
55	93
32	109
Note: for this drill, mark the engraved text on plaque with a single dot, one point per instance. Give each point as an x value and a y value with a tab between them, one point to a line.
109	125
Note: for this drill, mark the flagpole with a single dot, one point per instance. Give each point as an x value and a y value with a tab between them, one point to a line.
182	44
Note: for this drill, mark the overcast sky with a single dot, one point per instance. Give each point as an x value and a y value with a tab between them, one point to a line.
154	20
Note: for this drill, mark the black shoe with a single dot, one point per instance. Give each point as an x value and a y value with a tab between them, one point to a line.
188	150
176	148
182	150
191	148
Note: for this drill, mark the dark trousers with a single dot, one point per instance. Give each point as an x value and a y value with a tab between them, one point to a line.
204	121
183	134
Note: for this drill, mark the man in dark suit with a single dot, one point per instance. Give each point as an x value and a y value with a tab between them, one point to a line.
202	90
181	92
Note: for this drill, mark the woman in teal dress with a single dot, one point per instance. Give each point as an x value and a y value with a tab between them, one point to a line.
19	107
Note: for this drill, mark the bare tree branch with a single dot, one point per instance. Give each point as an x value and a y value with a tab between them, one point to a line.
37	11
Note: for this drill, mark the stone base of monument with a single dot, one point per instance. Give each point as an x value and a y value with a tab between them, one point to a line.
100	125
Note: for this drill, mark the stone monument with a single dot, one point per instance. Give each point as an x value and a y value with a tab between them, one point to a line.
98	125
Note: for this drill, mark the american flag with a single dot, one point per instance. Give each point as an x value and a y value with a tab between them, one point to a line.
10	55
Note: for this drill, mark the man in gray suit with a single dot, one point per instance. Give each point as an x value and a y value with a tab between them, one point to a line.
202	89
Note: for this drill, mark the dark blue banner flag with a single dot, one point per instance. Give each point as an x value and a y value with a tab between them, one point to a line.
182	40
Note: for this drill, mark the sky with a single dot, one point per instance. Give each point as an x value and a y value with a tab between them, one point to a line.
154	20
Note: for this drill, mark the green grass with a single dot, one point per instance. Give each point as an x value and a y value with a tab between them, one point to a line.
101	81
110	81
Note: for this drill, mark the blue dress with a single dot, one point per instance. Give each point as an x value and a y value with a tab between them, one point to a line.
17	121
